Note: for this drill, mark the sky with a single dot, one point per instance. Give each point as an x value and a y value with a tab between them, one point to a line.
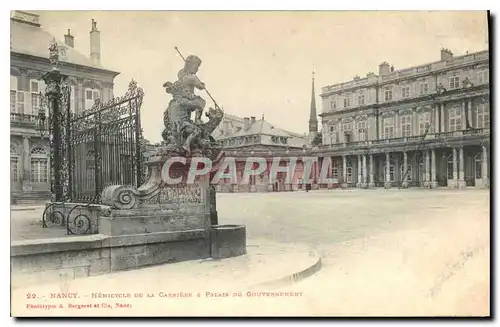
261	63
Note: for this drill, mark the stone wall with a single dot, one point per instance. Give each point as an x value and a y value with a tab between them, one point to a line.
55	260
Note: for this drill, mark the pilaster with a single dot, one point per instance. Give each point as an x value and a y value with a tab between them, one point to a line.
26	165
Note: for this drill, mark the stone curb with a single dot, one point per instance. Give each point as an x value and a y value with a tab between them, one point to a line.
293	278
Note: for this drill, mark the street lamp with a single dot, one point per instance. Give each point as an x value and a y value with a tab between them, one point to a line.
52	100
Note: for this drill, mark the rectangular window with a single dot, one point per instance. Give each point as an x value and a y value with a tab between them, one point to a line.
20	102
90	97
388	95
388	128
482	77
424	121
34	86
13	83
39	170
333	104
362	131
405	92
361	99
483	116
35	103
454	82
455	119
424	88
405	125
347	103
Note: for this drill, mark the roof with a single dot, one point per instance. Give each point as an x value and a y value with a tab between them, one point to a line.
35	41
263	127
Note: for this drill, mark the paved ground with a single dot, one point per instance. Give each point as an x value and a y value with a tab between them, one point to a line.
385	251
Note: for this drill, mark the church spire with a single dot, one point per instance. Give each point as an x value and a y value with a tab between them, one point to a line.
313	118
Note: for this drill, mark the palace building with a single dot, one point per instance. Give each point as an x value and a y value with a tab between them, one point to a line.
249	137
425	126
29	55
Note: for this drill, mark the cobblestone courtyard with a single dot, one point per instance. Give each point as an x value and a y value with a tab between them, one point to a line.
384	252
318	217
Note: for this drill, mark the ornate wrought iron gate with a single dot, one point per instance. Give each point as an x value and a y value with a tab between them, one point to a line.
98	147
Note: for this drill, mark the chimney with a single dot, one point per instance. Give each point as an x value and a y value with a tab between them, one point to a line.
246	123
95	44
384	68
446	55
252	119
69	39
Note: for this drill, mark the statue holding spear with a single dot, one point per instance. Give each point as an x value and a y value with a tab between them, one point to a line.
180	130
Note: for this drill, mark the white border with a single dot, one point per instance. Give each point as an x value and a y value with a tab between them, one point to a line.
191	5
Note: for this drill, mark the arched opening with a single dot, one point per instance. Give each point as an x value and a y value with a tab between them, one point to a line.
392	171
449	167
421	169
14	167
478	166
348	171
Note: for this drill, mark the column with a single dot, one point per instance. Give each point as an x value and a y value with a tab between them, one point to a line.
442	129
404	183
360	177
365	181
427	169
455	168
372	180
436	118
484	168
462	127
344	171
469	111
461	168
433	169
387	183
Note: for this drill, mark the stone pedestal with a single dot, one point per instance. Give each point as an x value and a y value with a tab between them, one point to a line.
227	241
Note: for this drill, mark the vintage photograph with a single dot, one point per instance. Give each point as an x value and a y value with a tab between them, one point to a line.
250	163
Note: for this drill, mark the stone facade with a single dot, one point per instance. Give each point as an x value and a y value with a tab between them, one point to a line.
29	150
423	126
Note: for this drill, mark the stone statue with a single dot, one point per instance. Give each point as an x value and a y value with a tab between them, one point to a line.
182	135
